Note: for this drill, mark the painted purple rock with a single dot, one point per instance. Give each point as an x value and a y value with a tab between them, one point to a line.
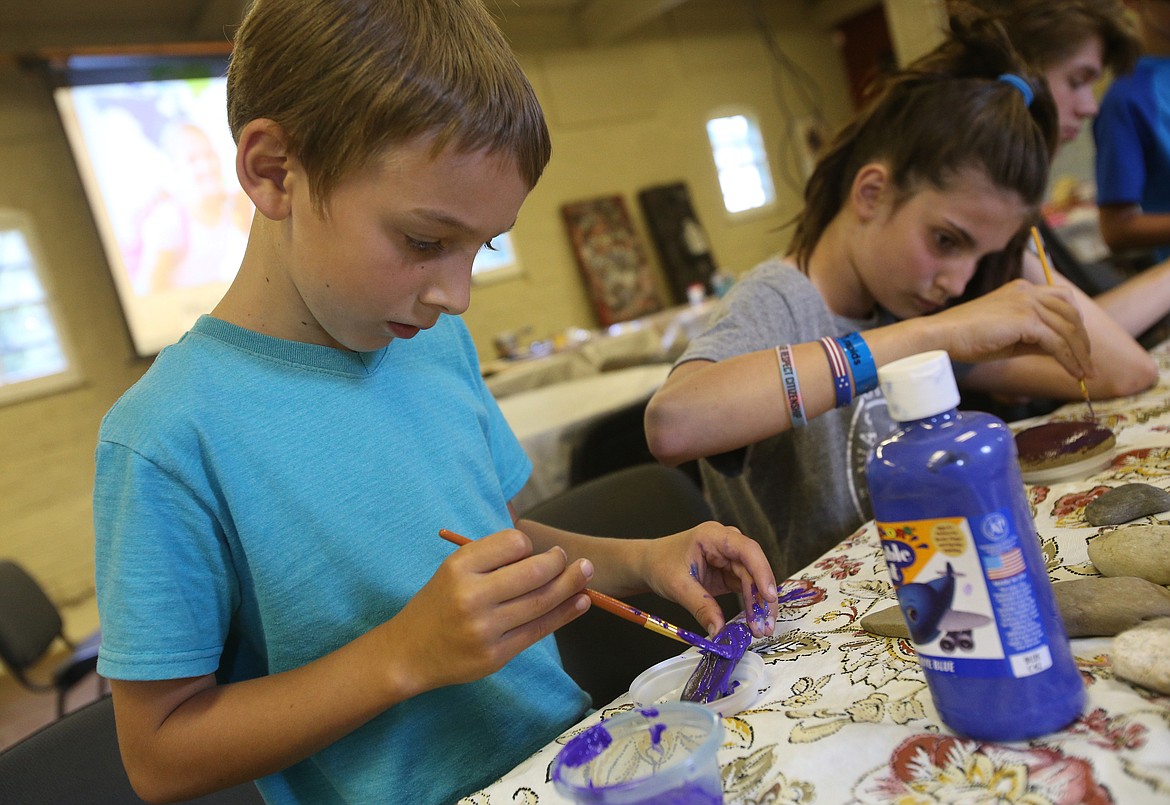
711	679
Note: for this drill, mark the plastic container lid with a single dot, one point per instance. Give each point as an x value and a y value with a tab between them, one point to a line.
647	756
664	682
919	386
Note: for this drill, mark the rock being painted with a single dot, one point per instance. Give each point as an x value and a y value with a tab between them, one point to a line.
711	679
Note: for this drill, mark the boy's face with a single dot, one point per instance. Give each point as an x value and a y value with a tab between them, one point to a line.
395	247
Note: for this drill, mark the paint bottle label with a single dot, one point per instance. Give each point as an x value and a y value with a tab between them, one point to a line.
969	605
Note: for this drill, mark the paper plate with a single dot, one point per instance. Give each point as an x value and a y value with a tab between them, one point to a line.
664	683
1065	472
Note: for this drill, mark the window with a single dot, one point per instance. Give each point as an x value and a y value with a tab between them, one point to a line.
33	356
497	263
744	175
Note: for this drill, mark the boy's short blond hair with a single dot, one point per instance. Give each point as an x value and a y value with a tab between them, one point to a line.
347	79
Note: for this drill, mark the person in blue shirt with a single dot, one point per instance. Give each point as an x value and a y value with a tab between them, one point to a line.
1133	143
275	601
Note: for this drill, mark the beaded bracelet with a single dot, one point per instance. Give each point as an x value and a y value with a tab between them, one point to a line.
791	386
842	382
861	363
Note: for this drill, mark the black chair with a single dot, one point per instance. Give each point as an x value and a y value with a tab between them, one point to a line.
30	626
613	442
601	652
75	760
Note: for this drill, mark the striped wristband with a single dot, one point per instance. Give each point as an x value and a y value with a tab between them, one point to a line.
861	364
842	383
791	386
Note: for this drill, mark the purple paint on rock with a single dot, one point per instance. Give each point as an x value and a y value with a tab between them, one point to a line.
711	679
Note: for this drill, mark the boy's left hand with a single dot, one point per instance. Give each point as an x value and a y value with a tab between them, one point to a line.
694	566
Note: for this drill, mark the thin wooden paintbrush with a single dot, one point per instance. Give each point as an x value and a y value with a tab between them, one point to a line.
1036	239
632	614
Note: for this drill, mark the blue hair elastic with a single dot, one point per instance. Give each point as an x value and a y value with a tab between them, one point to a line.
1023	86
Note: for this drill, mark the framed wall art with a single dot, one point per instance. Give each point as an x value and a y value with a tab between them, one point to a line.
612	259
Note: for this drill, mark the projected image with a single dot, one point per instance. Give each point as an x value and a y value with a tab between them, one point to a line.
158	164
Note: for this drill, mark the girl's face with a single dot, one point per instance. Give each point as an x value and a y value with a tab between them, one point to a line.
914	257
396	247
1071	82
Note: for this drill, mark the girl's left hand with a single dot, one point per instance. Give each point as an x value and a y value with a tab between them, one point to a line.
693	566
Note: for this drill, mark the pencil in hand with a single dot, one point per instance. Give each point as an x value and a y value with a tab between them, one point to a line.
1036	239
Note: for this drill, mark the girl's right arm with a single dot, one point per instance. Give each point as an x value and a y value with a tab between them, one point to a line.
706	408
488	601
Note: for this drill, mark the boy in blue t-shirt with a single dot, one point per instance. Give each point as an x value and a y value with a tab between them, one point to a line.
275	600
1132	138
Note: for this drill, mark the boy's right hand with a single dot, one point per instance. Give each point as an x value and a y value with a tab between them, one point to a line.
487	602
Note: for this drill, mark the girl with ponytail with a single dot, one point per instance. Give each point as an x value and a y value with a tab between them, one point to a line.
910	239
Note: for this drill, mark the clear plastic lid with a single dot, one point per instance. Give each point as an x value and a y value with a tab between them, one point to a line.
919	386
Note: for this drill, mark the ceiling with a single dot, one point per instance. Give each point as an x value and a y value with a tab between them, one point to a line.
30	25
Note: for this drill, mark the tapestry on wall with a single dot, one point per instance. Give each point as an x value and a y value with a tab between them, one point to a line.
612	259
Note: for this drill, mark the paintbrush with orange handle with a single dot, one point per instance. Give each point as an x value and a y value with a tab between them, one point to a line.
632	614
1036	239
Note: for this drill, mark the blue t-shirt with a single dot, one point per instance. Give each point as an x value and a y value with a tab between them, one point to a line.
260	502
1132	135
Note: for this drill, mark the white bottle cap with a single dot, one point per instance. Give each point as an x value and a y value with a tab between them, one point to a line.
919	386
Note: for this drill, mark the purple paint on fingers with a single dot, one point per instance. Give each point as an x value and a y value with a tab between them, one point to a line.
759	609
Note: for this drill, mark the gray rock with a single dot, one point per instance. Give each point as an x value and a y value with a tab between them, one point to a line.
887	623
1133	550
1142	655
1127	502
1092	607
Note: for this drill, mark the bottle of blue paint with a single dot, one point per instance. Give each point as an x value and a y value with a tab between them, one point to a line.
963	555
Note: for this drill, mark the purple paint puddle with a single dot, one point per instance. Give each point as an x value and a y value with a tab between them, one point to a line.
656	731
711	679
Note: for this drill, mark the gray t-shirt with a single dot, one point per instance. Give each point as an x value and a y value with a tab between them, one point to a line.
802	491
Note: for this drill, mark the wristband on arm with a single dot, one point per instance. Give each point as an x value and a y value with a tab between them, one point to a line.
791	386
861	363
842	382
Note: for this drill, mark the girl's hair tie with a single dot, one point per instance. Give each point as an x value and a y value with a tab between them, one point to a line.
1023	86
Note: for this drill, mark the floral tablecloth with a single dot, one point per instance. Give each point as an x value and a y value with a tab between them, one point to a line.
847	718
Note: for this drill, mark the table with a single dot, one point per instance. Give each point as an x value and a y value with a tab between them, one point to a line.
846	716
657	338
549	421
